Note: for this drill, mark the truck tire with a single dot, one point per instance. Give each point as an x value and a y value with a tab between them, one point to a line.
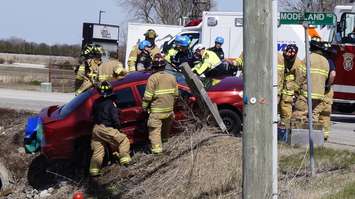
232	121
5	177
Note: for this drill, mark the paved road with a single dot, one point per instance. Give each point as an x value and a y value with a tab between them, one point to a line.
24	65
342	135
31	100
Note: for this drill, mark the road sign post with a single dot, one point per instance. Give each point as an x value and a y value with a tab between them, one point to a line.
309	100
307	19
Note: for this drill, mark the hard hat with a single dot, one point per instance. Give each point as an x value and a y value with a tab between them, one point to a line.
105	88
316	44
143	44
78	195
292	48
158	61
219	40
198	48
92	51
150	34
183	41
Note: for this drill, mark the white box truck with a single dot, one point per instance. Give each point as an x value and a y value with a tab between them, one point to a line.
226	24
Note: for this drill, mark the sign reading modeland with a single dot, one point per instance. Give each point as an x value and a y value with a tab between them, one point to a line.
309	17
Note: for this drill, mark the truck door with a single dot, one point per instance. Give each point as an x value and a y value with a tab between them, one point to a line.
344	86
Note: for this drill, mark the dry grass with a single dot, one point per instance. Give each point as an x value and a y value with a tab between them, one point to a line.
202	165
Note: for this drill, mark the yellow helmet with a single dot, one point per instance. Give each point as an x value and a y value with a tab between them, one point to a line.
150	34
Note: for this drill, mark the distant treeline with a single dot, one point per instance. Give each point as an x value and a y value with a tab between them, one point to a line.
20	46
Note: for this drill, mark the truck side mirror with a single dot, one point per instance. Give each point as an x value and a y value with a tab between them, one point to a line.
339	27
165	47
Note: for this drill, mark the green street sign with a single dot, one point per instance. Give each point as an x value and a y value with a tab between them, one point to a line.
313	18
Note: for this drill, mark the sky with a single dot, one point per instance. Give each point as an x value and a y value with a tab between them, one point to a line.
60	21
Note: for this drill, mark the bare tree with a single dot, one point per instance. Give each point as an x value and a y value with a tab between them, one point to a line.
165	11
311	5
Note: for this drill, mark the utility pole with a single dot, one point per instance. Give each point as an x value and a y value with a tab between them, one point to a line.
100	12
258	121
274	103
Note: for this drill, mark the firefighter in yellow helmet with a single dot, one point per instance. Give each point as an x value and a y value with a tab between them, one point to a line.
159	98
150	36
111	69
106	130
287	88
88	71
319	74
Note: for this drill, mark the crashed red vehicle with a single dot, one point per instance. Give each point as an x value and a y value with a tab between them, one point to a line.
61	130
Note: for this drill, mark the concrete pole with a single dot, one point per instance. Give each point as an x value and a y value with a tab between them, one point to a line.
274	102
257	128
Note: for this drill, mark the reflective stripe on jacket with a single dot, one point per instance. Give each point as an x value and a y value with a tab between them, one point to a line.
319	74
160	93
171	53
209	61
110	70
287	75
133	55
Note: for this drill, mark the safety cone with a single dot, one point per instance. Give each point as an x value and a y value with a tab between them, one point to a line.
78	195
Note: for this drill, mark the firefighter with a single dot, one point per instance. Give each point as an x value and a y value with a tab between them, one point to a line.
112	69
324	117
106	130
87	72
287	64
217	48
236	62
208	60
150	36
180	53
319	74
159	98
144	60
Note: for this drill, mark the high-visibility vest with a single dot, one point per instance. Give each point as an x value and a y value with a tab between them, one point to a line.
210	60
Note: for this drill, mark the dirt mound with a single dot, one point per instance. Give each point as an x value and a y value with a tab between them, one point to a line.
13	157
12	124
